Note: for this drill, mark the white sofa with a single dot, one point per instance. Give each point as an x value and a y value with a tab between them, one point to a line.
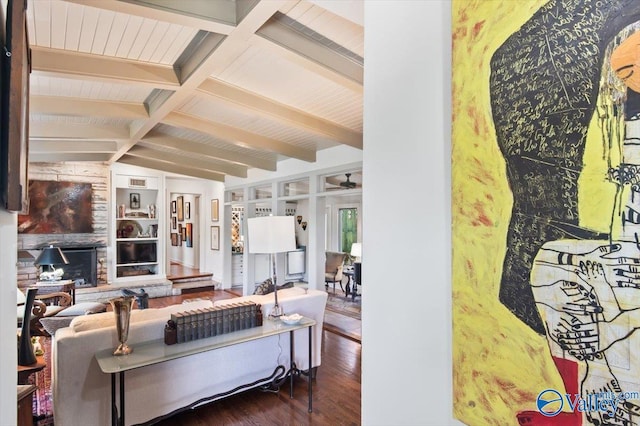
81	392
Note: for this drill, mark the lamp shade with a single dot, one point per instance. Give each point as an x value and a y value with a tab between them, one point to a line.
356	249
271	234
51	256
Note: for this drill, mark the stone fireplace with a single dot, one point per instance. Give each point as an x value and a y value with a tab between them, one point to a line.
86	252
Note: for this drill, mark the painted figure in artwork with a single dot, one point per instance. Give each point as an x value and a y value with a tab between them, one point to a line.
577	286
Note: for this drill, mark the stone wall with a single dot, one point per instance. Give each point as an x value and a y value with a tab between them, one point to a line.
83	172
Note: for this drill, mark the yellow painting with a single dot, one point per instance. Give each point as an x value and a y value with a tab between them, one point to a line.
546	212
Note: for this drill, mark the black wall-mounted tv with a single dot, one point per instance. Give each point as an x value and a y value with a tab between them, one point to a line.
136	252
14	110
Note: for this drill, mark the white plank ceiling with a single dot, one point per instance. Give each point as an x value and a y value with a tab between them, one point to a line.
206	88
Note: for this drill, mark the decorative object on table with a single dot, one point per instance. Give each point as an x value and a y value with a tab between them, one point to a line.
153	231
37	346
142	297
291	319
209	322
51	256
129	228
26	356
134	200
122	307
122	211
180	206
214	210
215	238
152	211
271	235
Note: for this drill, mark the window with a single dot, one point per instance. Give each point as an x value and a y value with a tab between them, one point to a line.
348	222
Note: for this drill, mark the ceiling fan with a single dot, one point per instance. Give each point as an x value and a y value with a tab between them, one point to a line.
348	183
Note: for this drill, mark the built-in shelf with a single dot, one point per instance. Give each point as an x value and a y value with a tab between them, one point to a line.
137	234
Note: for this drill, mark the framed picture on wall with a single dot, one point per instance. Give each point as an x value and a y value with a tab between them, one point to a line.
180	207
215	238
187	210
183	232
188	230
214	210
134	200
174	209
174	239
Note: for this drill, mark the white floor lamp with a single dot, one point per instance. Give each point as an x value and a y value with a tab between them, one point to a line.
271	235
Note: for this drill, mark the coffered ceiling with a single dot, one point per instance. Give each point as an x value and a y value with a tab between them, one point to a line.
204	88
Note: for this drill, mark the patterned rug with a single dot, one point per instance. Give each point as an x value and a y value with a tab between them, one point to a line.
42	401
341	304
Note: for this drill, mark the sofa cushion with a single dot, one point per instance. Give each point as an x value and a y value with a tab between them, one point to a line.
83	308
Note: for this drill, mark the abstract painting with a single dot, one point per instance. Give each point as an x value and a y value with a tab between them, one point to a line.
58	208
546	212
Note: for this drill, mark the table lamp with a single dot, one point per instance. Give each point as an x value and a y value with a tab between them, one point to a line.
51	256
271	235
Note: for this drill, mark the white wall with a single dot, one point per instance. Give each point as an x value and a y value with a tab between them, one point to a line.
406	328
8	288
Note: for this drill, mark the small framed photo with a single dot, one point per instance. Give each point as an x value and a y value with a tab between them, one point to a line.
134	200
174	207
187	210
215	238
174	222
214	210
180	201
174	239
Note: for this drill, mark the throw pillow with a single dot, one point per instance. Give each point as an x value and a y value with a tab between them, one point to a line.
265	287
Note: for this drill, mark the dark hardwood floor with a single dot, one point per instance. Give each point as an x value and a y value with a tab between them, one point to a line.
336	389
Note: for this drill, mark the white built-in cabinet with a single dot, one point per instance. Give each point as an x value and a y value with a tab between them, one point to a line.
136	235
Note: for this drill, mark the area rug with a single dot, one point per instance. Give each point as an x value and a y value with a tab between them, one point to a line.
341	304
42	401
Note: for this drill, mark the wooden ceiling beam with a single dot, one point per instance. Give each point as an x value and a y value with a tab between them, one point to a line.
86	66
58	105
210	151
59	130
310	49
239	137
71	146
171	167
201	163
280	112
216	52
214	16
52	157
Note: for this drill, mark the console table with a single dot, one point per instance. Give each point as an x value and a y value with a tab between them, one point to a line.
156	351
